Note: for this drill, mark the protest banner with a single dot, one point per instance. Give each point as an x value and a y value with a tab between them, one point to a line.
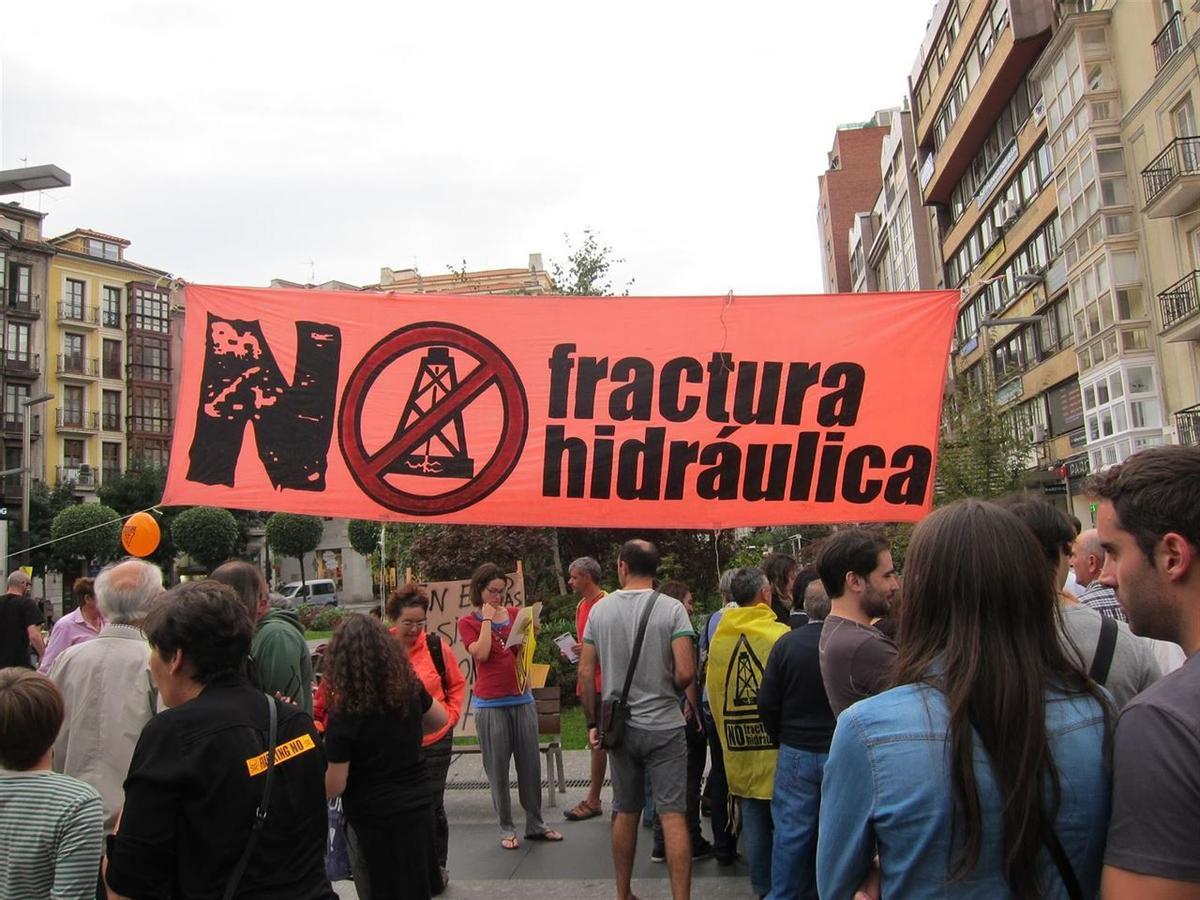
665	412
450	600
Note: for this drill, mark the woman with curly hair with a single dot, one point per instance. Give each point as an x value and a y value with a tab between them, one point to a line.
378	713
506	719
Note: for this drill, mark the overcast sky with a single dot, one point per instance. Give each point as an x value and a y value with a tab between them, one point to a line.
233	142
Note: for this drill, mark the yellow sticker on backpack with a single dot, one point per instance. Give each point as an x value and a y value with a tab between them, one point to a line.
258	764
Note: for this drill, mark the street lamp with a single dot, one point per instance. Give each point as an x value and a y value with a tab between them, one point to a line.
27	471
33	178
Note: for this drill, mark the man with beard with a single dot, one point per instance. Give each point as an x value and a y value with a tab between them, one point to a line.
858	574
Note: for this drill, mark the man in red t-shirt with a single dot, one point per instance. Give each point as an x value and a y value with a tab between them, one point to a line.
583	576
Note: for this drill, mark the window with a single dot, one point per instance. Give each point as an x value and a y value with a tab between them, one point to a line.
73	455
149	411
72	405
151	310
14	412
1183	118
151	451
103	249
73	345
75	298
111	309
20	286
16	343
111	358
151	359
110	460
111	411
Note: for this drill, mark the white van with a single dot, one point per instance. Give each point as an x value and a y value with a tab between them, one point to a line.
316	592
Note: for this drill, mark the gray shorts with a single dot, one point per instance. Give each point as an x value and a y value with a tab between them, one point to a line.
660	754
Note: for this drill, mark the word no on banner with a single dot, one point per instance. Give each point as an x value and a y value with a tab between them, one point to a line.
653	412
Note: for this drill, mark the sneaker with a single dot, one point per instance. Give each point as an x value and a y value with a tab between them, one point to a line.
658	855
701	849
725	857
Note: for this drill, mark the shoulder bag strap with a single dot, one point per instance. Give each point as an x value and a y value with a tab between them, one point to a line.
637	646
260	814
1105	648
1062	862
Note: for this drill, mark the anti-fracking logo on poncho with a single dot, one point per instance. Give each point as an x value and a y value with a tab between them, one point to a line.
743	676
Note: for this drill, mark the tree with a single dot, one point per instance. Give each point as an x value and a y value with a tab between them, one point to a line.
208	534
140	487
44	505
294	535
87	531
587	270
981	453
364	536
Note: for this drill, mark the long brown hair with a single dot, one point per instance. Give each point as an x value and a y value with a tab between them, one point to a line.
366	669
979	620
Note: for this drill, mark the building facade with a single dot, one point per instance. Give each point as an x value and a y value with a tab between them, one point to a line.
109	367
985	167
848	186
24	278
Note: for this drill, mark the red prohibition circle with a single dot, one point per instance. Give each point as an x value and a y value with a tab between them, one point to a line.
368	470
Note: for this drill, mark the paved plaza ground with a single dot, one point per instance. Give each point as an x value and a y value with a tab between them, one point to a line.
582	863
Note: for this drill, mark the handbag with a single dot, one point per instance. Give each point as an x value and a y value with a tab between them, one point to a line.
260	814
337	851
614	714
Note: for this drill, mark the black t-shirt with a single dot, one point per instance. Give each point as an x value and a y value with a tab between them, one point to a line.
387	766
194	784
16	615
791	699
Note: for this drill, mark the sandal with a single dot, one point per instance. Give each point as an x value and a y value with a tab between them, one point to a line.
582	811
552	836
510	842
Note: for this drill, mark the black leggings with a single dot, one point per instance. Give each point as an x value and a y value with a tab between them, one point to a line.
397	854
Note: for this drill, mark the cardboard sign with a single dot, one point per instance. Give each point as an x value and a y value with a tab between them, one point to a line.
666	412
448	602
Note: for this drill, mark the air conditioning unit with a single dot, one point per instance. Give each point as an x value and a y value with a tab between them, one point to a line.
1010	211
1037	433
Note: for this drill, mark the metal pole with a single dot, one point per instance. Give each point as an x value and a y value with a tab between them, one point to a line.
26	440
382	567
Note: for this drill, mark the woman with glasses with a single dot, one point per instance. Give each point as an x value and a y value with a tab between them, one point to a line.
505	718
434	661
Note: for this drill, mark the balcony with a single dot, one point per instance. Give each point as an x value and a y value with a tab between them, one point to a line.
83	476
21	365
109	474
78	420
71	365
110	421
1168	42
1187	425
1172	181
78	314
1179	304
14	424
22	303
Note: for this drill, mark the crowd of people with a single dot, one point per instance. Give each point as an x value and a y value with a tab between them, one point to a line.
1016	714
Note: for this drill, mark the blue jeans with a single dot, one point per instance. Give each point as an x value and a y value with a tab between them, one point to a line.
796	804
756	828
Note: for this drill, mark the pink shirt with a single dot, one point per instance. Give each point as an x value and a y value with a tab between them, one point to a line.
68	631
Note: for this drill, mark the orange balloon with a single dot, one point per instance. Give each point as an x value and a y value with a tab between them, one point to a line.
141	534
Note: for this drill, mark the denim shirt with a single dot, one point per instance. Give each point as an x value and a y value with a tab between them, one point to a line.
887	786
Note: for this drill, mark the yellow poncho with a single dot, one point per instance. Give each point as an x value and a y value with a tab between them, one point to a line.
737	657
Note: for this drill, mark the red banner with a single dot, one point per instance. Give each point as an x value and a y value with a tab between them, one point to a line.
654	412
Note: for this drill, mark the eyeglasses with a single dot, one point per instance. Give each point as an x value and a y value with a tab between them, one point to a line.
494	591
409	623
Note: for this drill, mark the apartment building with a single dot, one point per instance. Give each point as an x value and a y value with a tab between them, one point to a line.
24	276
533	279
108	352
849	186
982	135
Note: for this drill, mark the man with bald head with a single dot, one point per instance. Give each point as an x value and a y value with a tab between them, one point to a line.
105	684
1087	561
20	623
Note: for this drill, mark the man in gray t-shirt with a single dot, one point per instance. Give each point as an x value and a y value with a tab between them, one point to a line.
1148	518
654	743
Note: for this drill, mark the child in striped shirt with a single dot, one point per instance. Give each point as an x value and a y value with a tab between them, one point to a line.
51	825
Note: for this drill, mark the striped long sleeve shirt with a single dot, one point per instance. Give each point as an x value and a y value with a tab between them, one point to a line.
51	836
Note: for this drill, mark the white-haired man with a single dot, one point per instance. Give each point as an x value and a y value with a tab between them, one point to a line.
105	683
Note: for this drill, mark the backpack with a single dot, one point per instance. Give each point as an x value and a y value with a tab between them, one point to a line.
436	653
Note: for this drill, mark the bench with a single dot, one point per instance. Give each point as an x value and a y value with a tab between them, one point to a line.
548	701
